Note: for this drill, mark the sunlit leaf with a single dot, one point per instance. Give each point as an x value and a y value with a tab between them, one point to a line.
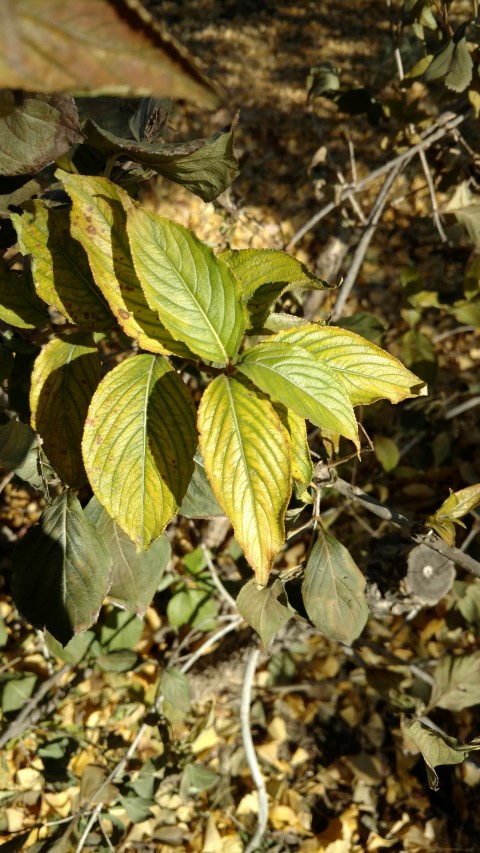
333	590
368	372
206	167
19	304
456	682
175	689
135	577
60	266
61	570
95	47
262	608
466	209
194	293
34	129
438	748
98	220
302	467
247	458
138	445
64	377
459	503
292	375
454	63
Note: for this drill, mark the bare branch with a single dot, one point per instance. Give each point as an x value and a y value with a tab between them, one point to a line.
250	753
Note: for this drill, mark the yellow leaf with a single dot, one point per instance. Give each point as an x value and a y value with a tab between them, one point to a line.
247	460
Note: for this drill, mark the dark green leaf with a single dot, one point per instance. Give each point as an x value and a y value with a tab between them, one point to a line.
418	353
135	576
205	166
120	660
199	500
35	131
61	570
15	689
120	630
264	609
192	606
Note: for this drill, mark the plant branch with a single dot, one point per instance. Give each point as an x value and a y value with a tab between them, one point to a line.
365	241
250	753
429	538
445	124
32	710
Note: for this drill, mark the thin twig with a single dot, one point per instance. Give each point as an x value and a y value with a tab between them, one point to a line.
198	653
462	407
445	124
28	714
215	578
250	753
91	820
458	330
365	241
354	493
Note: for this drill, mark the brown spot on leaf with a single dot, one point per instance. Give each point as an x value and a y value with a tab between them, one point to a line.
123	314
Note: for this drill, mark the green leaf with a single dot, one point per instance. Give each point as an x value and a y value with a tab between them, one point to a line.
64	377
364	324
120	630
175	689
196	778
247	459
454	63
98	222
34	129
386	452
194	607
333	591
96	47
75	651
135	577
15	689
464	206
437	748
19	451
265	274
257	267
19	304
263	609
418	351
60	266
138	445
293	376
467	312
206	167
367	372
456	682
61	570
199	500
194	293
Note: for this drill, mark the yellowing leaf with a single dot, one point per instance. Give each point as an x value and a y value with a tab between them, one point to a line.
386	452
138	445
64	377
302	467
194	293
368	372
459	503
60	266
98	220
247	458
19	304
95	47
333	590
293	376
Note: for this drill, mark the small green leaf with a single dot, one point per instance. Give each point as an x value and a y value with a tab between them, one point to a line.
35	129
247	459
293	376
61	570
19	304
135	577
64	377
263	608
75	651
196	778
175	689
199	500
454	63
19	451
333	591
194	607
194	293
120	630
386	452
206	167
98	222
60	266
138	445
437	748
456	682
97	47
120	660
15	689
